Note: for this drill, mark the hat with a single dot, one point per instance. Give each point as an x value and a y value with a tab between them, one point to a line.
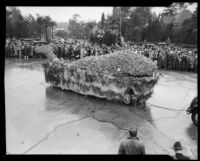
177	146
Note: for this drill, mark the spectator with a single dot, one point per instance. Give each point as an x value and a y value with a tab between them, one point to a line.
31	51
168	57
132	145
178	152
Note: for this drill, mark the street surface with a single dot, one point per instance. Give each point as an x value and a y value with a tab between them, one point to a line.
41	119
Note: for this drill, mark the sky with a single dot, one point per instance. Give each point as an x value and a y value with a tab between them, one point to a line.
63	14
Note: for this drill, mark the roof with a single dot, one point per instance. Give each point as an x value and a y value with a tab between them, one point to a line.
179	18
162	43
59	29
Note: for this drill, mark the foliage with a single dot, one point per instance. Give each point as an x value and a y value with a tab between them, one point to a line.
97	36
15	24
135	23
189	29
80	29
154	31
27	26
118	62
187	33
171	10
47	50
108	37
45	23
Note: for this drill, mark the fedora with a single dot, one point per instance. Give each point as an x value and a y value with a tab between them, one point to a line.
177	146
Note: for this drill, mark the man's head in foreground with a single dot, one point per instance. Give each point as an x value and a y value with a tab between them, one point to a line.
133	132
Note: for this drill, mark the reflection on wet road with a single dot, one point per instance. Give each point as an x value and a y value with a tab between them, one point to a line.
43	119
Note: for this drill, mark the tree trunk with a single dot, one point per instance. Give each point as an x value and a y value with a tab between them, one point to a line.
46	34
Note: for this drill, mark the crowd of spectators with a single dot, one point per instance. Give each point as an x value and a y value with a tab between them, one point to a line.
167	56
21	49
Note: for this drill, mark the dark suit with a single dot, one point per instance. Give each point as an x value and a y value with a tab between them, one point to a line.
132	146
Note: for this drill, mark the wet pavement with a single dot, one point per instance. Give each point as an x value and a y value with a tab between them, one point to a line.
41	119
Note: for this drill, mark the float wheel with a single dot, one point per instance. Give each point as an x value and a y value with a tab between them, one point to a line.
127	99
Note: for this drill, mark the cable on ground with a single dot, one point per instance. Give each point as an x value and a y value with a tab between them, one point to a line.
166	108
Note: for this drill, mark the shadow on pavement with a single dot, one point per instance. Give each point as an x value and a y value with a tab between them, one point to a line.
144	113
69	101
192	131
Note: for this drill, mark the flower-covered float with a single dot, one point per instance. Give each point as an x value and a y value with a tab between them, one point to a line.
122	75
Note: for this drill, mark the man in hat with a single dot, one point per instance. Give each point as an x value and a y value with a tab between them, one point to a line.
178	152
132	145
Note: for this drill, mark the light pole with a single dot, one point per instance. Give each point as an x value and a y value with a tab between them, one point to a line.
120	23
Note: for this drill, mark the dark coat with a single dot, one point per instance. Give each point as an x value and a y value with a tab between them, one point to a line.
132	146
180	156
25	50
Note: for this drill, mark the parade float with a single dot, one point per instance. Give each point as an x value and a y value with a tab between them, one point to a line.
123	75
